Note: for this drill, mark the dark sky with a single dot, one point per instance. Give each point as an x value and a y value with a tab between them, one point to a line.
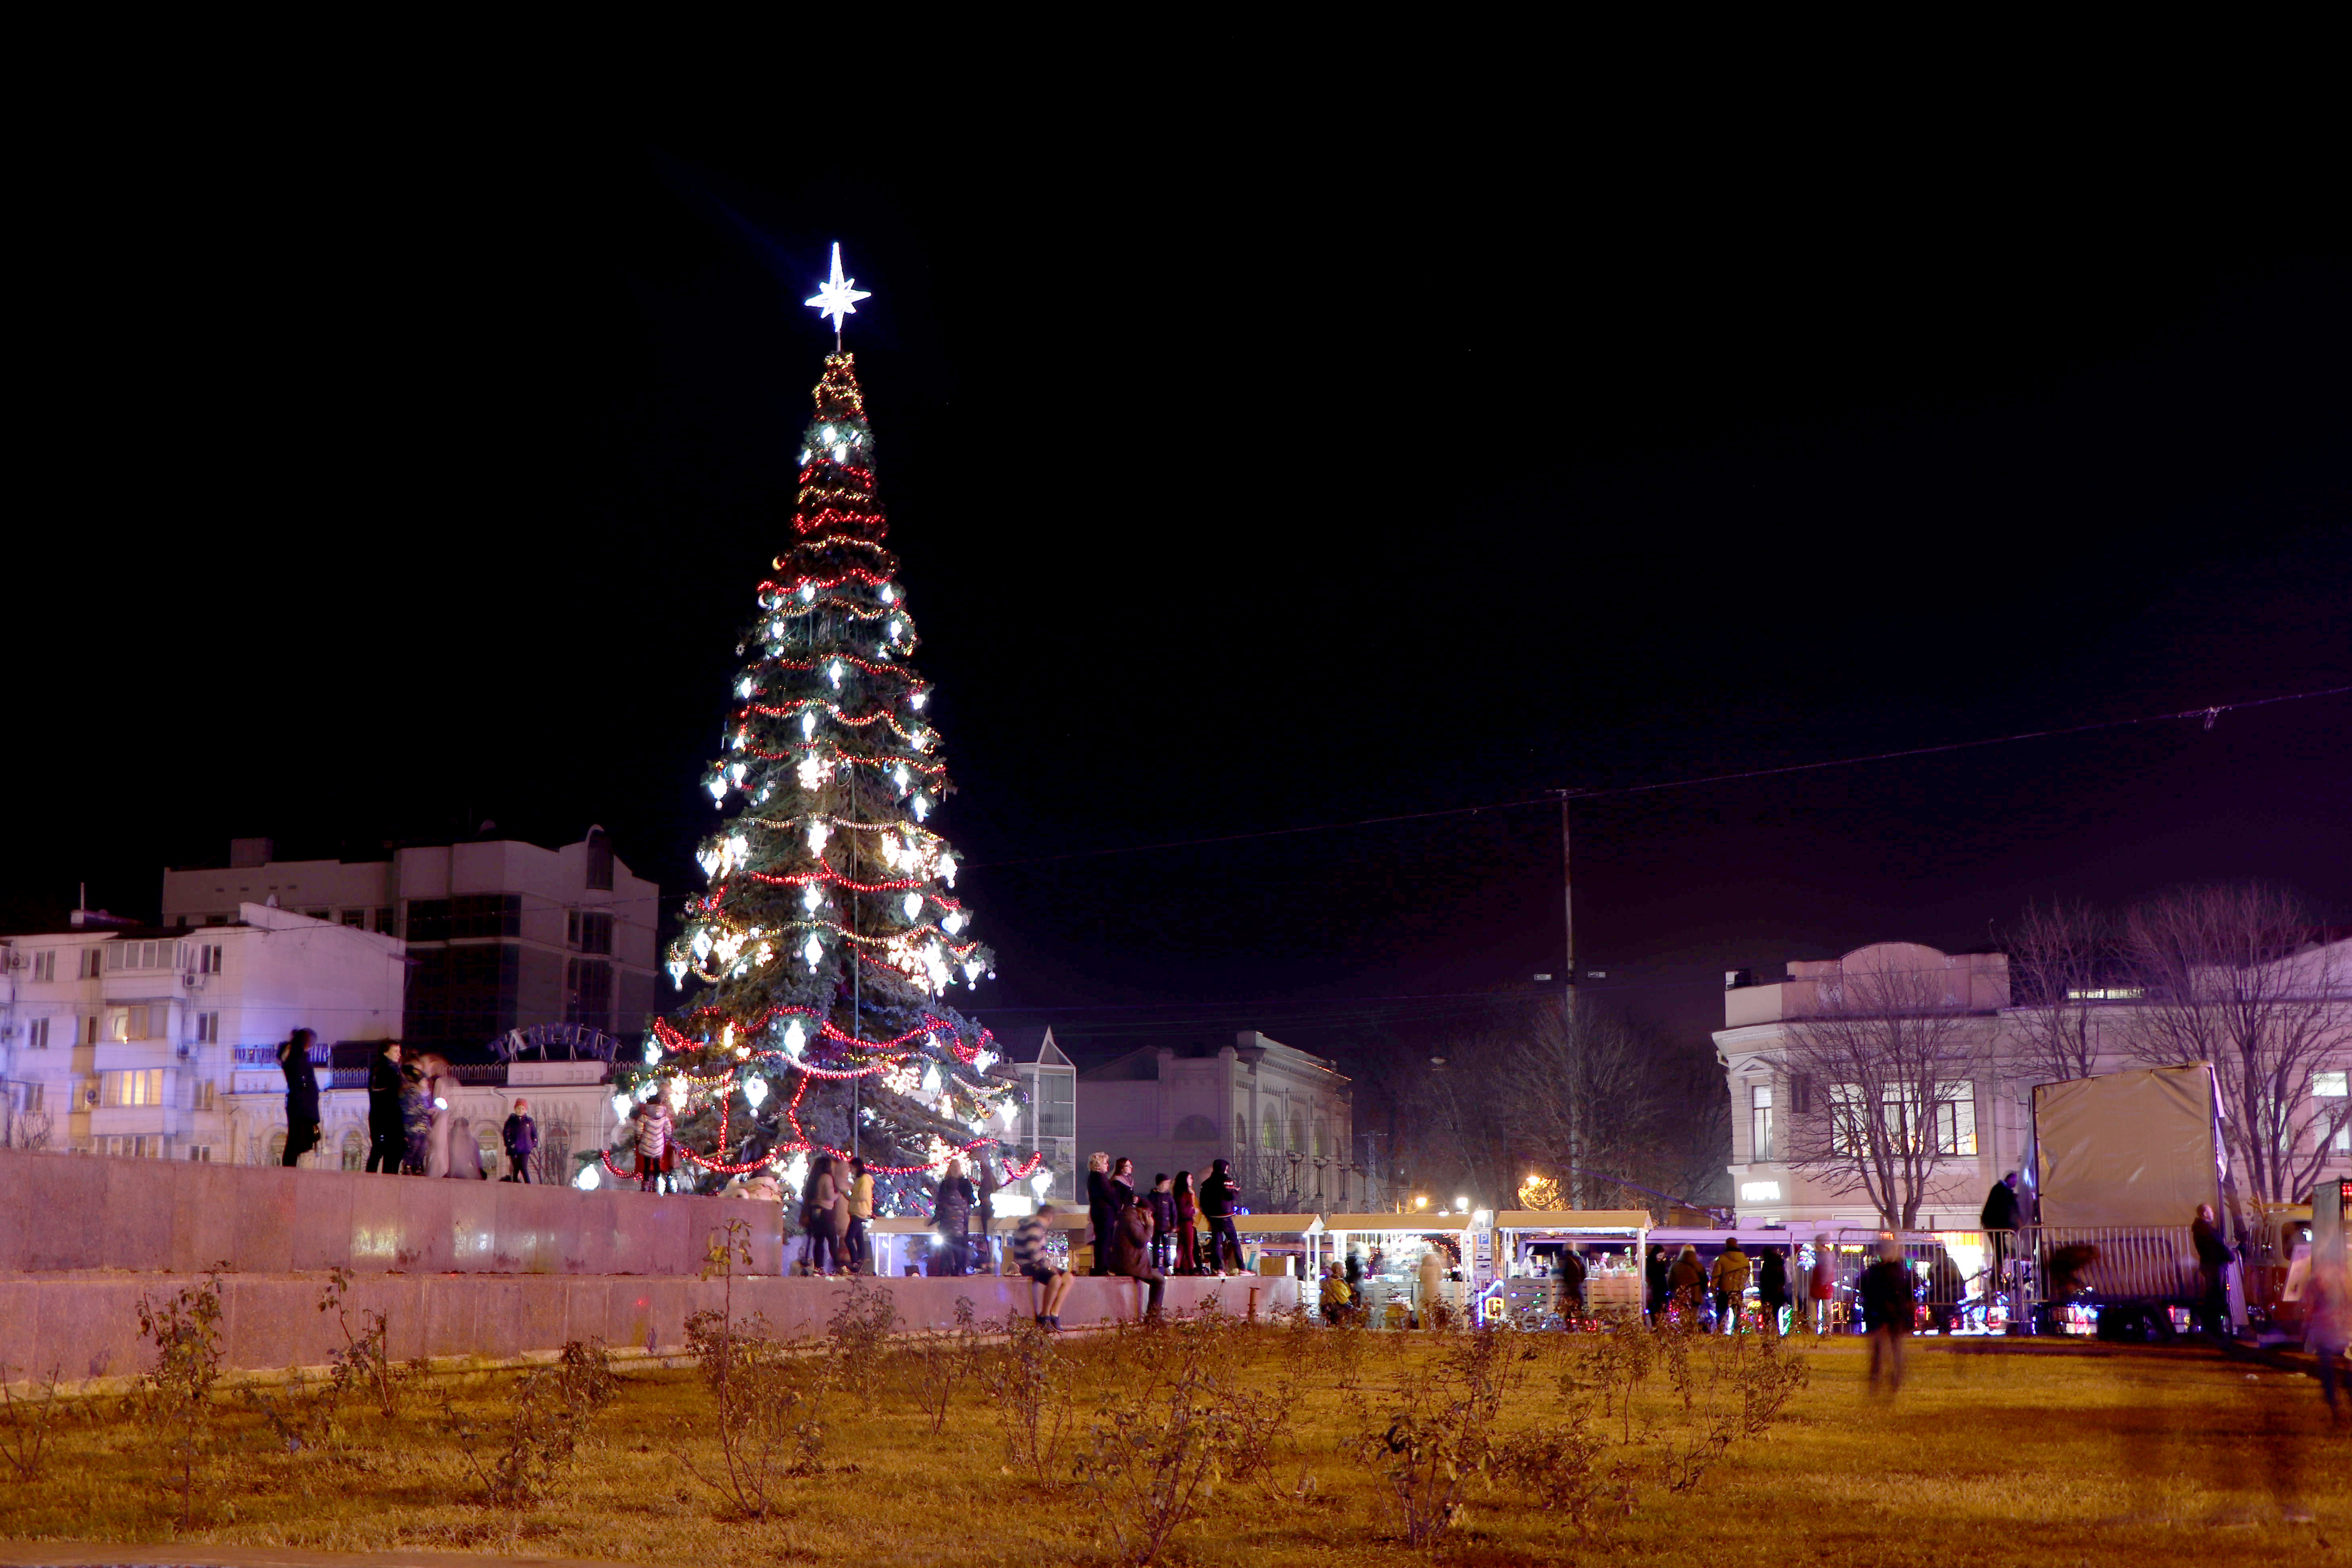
1240	484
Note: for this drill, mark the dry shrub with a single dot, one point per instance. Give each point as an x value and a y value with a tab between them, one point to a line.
521	1463
26	1426
1030	1380
174	1398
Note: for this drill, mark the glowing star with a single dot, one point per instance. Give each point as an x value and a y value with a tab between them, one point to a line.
834	674
913	905
916	700
811	771
887	593
808	722
808	593
653	1055
817	833
812	898
794	1038
837	297
755	1089
813	952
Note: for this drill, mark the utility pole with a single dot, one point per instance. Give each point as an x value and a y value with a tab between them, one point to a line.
1567	998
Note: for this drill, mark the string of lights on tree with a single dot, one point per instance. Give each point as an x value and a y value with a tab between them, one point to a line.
823	947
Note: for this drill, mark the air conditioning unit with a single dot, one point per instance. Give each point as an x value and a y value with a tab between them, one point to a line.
187	1050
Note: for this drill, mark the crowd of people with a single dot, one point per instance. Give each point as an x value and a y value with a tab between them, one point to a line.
412	1129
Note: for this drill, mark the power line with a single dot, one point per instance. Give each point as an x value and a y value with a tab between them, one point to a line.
2208	714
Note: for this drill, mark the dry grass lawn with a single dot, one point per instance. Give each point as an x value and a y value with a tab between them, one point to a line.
2071	1454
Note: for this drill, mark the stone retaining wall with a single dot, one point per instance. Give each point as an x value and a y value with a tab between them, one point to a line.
82	1211
85	1325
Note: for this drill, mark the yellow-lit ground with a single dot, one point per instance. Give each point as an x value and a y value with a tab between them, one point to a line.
2072	1455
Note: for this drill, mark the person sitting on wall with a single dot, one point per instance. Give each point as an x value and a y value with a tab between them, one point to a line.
1029	1256
1131	1251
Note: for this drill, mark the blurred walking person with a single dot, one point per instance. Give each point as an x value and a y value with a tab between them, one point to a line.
1820	1286
1885	1290
2213	1259
1162	1199
1653	1279
1570	1284
1687	1288
2328	1319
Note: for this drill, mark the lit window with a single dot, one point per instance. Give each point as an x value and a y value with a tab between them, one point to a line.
2334	1086
1760	1191
142	1086
1759	1124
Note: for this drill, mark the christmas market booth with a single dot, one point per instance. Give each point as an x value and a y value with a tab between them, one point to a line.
1412	1262
1281	1243
1534	1244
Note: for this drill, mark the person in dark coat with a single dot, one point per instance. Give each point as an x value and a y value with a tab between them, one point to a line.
2000	1218
1687	1286
1163	1200
387	1134
2213	1267
301	1095
416	1113
1654	1275
1884	1292
1218	1198
951	1213
1772	1286
1132	1252
1100	1212
1573	1272
521	1135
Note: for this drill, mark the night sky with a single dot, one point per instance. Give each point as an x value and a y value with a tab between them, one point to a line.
431	480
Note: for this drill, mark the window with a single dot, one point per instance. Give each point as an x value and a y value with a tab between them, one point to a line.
355	1151
2334	1086
208	1028
202	1097
36	1035
128	1023
1759	1124
383	920
1847	1133
355	919
213	920
475	914
201	1151
319	914
142	1086
588	994
208	958
142	955
1057	1115
44	963
592	931
91	963
90	1031
1956	1118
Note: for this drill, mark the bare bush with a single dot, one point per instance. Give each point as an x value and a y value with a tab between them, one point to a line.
521	1463
175	1396
943	1360
1030	1381
26	1426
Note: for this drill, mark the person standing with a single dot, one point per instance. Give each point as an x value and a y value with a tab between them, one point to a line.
829	1216
1132	1240
1729	1278
1219	1197
1885	1291
1100	1215
654	1153
521	1134
1820	1286
1122	1185
301	1095
1772	1286
2328	1319
951	1213
1355	1271
1029	1256
1338	1296
1573	1272
388	1140
1686	1287
1999	1219
1162	1199
2213	1273
1653	1278
861	1217
983	1246
1188	1223
416	1115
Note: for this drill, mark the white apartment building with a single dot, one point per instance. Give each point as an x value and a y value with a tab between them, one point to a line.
162	1042
1281	1115
502	934
1982	1128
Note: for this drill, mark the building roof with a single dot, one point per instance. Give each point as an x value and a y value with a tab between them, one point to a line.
1143	1062
1031	1043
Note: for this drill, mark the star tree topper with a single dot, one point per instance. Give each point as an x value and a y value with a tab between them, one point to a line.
836	297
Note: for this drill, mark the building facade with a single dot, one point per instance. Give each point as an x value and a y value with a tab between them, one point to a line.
501	935
1977	1123
162	1042
1281	1116
1046	1125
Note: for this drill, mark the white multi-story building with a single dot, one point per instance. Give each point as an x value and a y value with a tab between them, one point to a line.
1979	1123
161	1042
1281	1115
501	935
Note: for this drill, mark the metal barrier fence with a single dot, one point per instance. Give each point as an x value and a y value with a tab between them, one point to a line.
2152	1263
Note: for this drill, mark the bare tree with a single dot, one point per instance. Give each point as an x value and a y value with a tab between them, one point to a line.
2233	977
2065	964
550	1162
1883	1077
1586	1104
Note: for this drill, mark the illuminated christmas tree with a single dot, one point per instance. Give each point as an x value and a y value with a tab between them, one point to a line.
829	932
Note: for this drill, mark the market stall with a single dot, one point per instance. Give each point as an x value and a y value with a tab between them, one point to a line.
1392	1249
1289	1238
1528	1243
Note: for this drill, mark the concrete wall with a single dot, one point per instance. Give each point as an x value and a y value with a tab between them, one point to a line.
88	1326
60	1212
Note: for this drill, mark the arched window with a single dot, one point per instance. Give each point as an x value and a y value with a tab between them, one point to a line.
1269	1131
354	1150
1297	1133
275	1149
